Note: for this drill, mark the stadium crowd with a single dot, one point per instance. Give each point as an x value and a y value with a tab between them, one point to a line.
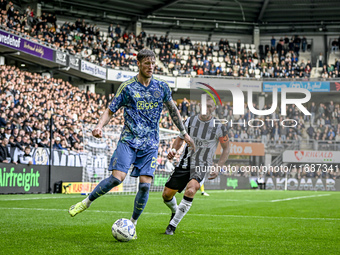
331	70
117	49
27	103
233	59
29	100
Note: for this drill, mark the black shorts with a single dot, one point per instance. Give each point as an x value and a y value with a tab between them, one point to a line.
180	177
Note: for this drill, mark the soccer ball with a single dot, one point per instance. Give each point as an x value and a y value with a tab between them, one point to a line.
123	230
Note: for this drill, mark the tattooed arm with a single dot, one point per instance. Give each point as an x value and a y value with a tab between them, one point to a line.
174	113
177	120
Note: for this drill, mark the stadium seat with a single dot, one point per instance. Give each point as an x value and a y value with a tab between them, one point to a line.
257	74
185	57
181	47
174	51
242	45
221	59
209	58
214	59
192	52
157	51
247	46
186	52
193	73
175	72
183	62
223	64
135	68
231	45
252	46
215	53
187	47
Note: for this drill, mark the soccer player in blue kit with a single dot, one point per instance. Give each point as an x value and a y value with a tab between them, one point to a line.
142	97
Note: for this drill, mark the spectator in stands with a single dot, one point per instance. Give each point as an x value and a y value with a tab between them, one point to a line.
111	30
26	158
5	157
273	44
118	31
335	46
304	43
297	45
3	120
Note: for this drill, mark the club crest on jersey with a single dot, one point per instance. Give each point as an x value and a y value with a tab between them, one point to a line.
157	94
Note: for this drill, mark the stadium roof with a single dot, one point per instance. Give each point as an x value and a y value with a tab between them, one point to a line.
236	16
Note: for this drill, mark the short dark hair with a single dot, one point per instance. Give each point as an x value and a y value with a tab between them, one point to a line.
145	53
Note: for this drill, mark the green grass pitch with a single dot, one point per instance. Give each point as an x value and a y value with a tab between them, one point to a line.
227	222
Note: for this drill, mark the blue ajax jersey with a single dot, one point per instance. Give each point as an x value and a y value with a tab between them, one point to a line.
142	111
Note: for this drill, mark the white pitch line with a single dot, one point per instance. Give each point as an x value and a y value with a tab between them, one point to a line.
293	198
36	198
243	191
191	214
232	200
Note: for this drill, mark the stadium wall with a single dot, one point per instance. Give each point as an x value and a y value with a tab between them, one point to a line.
25	179
225	182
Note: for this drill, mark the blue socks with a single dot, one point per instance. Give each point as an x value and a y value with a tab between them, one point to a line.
141	200
104	186
107	184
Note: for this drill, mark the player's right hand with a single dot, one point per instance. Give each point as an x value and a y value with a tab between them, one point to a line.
172	154
97	132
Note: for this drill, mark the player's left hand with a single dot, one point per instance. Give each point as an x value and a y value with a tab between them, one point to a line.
190	142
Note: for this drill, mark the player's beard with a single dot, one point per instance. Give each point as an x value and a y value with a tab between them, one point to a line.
146	75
